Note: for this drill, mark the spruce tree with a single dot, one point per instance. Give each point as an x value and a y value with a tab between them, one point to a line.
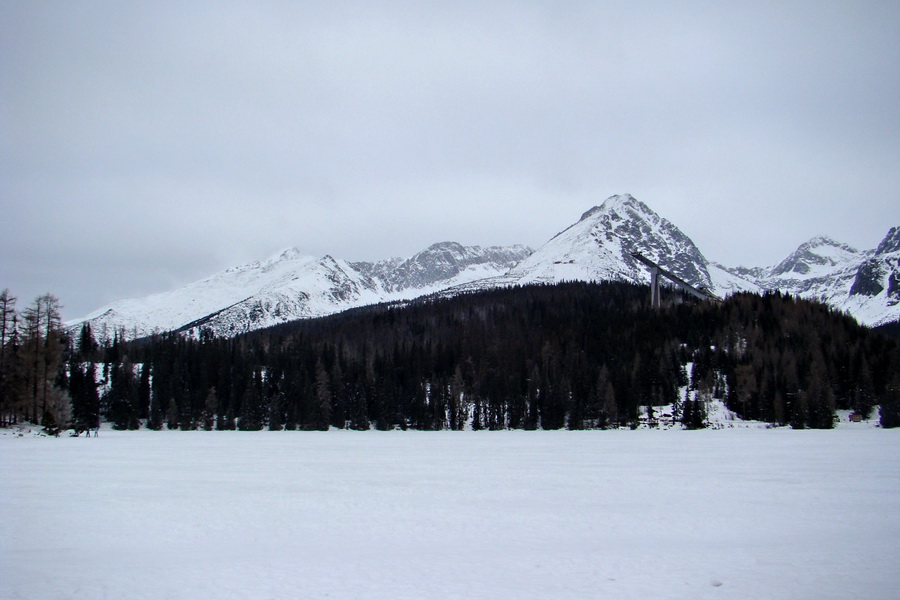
322	406
890	401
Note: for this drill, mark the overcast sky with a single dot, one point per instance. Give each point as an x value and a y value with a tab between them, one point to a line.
145	145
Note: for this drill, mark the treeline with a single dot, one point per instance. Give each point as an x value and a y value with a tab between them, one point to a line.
573	355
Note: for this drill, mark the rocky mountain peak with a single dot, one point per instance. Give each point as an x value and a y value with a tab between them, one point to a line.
446	260
812	256
600	245
890	243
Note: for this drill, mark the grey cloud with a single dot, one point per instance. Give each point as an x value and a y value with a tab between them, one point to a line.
185	137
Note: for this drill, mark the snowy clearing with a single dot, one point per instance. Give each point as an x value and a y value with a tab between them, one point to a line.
742	513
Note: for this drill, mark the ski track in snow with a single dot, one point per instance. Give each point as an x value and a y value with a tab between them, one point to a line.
742	513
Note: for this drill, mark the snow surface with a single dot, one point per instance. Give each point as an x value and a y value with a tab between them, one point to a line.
737	513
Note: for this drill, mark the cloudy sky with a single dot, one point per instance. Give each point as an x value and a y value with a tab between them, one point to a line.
145	145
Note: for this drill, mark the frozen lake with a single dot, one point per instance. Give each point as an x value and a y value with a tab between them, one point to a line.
736	514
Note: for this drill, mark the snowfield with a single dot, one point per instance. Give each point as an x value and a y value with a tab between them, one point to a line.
742	513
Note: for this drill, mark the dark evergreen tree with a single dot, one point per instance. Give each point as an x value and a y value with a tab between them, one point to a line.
143	393
253	406
173	414
87	345
85	397
122	396
694	414
210	410
322	406
890	401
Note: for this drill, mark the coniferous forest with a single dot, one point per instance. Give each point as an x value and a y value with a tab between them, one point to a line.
573	355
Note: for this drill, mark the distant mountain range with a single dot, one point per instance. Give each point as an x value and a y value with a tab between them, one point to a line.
289	285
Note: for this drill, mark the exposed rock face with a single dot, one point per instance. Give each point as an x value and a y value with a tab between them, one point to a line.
597	247
600	245
290	285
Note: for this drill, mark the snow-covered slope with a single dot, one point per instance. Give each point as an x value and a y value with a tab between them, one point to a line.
290	285
873	295
865	284
819	257
598	247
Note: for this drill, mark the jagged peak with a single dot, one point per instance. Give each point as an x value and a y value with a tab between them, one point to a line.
823	240
617	203
463	252
820	242
443	246
890	243
819	250
289	253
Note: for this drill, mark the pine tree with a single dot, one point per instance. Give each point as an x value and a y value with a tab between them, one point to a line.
359	419
85	398
253	405
143	393
863	389
122	397
458	403
87	345
778	407
746	386
890	402
819	397
173	414
610	407
693	414
322	405
210	409
593	406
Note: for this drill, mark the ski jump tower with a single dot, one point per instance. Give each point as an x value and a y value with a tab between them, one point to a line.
656	271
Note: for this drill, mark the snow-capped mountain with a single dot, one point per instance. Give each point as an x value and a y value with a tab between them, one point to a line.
874	295
815	259
865	284
820	269
598	247
290	285
443	265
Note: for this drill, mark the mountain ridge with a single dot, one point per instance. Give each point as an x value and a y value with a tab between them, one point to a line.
290	285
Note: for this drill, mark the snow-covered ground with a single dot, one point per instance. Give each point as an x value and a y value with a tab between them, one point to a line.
737	513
